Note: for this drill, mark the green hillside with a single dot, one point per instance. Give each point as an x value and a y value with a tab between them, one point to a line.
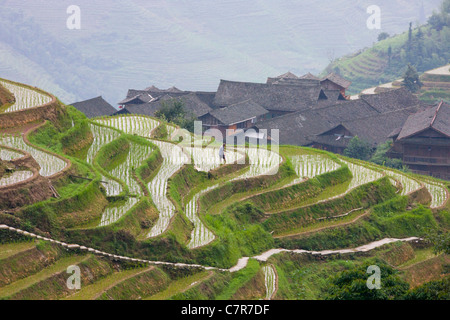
147	218
425	47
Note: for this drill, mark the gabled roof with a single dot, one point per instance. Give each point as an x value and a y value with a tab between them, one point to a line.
269	96
435	117
377	129
337	79
309	76
295	128
153	89
238	112
192	104
302	128
392	100
334	95
95	107
138	99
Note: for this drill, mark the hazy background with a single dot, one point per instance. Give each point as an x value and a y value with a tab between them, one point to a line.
190	44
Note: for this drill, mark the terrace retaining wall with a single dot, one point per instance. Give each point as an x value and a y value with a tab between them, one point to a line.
48	111
26	192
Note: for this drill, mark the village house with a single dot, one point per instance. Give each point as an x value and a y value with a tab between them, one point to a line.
242	115
96	107
423	141
332	127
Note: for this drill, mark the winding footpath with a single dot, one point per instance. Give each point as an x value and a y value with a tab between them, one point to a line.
242	263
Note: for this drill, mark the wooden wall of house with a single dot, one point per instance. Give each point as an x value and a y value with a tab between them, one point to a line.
338	150
329	85
428	151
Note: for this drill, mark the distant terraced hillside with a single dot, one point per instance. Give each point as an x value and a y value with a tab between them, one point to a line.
436	85
386	61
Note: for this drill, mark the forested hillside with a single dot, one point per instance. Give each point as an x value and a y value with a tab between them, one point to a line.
425	47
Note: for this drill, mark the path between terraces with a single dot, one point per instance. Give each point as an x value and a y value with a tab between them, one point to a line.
241	264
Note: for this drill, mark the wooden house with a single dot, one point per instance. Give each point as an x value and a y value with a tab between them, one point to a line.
242	115
335	82
423	142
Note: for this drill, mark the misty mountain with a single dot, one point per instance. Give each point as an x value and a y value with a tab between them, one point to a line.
189	44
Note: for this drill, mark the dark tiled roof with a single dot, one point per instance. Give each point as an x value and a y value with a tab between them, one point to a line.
269	96
138	99
331	140
302	128
286	76
391	100
338	80
95	107
436	117
192	103
238	112
195	103
309	76
295	128
377	129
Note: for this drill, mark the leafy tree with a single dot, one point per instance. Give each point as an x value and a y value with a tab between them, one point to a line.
435	290
380	157
352	284
358	149
436	21
173	111
382	36
389	55
411	80
439	240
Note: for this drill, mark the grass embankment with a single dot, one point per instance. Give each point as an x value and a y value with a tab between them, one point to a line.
217	199
160	133
363	197
26	263
221	286
81	200
389	219
300	193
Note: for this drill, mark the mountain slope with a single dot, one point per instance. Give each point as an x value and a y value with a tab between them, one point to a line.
136	43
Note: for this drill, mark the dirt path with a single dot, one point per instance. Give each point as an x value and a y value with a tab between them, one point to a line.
445	70
242	263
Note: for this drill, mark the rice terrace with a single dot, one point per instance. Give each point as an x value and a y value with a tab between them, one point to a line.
128	208
295	188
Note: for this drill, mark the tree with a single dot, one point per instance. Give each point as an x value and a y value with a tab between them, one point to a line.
173	111
411	80
380	157
436	21
382	36
390	55
439	240
435	290
352	284
358	149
